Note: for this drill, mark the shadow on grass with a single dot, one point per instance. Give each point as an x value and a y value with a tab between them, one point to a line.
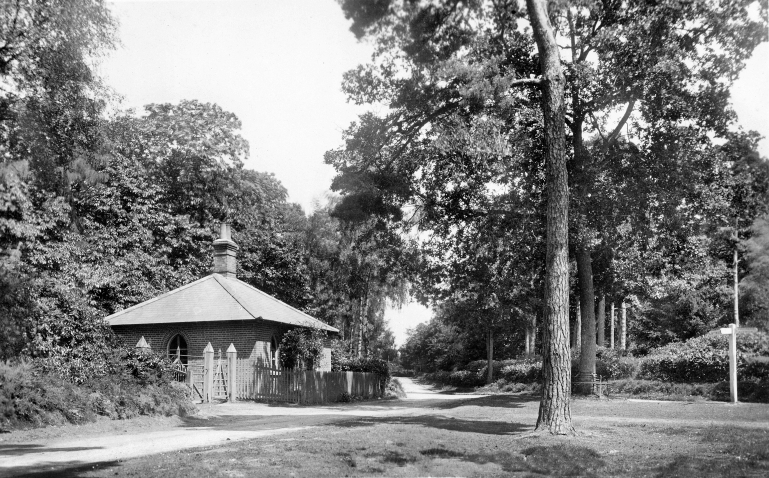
443	423
22	449
553	460
561	459
64	470
495	401
688	465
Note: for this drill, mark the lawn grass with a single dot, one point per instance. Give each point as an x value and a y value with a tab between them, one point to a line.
491	437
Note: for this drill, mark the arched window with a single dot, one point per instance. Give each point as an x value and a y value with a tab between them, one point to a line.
177	348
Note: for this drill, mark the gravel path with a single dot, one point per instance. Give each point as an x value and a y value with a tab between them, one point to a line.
217	424
34	452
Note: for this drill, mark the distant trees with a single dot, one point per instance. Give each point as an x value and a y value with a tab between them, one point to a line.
645	87
356	268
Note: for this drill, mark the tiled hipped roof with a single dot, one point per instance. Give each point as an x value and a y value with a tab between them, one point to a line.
211	299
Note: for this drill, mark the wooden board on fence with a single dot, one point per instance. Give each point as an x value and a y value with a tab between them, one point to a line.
264	383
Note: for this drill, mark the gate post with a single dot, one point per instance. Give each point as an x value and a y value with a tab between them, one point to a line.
208	373
232	360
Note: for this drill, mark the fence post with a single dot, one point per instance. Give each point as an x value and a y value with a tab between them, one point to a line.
232	361
208	373
142	345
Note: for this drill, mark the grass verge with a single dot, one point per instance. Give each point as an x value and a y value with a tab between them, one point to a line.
489	437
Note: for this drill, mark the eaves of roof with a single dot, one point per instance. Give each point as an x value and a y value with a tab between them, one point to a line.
214	298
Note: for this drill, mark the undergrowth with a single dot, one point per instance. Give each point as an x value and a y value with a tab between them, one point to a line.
31	395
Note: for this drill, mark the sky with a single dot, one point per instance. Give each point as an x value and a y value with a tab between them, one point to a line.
278	65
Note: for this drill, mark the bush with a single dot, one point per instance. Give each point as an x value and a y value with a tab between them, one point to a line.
31	399
395	389
614	364
466	378
747	391
522	371
301	347
706	359
32	394
367	365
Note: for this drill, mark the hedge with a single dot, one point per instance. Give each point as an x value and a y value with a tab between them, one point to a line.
368	365
705	359
702	359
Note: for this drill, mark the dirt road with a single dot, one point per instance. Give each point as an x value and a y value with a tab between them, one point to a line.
218	424
215	425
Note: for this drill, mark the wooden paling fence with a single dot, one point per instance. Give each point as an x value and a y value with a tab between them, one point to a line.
225	377
259	382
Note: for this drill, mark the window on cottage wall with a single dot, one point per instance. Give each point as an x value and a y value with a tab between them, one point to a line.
177	348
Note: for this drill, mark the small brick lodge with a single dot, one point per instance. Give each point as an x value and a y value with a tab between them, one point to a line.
219	309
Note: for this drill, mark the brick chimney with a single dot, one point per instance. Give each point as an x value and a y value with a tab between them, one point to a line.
225	254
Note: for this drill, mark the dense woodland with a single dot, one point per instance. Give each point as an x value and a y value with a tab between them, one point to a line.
102	210
491	104
443	198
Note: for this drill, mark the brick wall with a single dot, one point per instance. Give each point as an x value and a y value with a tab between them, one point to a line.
251	338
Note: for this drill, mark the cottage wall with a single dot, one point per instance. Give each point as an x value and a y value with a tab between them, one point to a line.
251	338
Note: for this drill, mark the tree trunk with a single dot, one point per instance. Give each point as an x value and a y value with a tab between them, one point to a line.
611	328
577	333
600	339
554	407
490	356
623	327
527	341
531	335
362	311
587	310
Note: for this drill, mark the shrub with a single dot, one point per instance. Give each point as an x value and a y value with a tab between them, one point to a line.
706	359
301	346
395	389
134	383
466	378
614	364
747	391
369	365
29	398
522	371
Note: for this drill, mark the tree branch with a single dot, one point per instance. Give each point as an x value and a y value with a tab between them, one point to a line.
622	122
527	81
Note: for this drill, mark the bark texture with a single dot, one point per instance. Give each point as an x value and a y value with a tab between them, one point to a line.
623	328
613	321
577	332
490	356
531	335
600	322
554	408
587	311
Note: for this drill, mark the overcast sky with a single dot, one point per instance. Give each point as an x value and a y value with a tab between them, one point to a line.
278	65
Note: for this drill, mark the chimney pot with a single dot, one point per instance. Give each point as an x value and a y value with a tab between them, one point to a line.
225	254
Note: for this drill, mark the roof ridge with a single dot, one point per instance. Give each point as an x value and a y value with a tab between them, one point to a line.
217	278
275	299
154	299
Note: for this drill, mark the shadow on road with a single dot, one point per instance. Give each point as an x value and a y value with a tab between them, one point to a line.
19	449
251	423
66	470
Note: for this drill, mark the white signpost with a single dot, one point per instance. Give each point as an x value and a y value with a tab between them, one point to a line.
731	331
